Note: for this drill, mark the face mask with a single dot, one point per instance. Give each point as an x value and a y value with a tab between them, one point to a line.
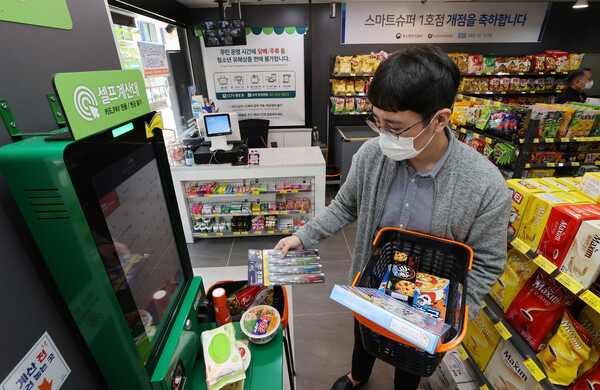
402	148
589	84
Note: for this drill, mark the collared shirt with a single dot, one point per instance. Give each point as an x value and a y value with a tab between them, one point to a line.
409	203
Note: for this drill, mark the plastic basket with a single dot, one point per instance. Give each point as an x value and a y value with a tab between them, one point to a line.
448	259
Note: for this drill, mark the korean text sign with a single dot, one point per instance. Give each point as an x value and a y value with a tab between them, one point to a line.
404	22
95	101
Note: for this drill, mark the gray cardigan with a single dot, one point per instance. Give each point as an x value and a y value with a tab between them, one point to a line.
471	205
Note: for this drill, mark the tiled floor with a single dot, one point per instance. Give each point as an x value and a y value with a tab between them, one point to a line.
322	329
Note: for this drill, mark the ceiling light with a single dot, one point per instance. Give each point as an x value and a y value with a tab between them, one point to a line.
580	4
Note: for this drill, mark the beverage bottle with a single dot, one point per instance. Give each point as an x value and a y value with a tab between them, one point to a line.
189	157
221	311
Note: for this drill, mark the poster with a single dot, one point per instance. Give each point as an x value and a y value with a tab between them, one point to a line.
154	59
433	22
263	79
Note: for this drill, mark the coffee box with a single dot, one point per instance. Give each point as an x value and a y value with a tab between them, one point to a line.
506	369
547	186
570	182
555	182
451	373
561	228
521	191
518	270
582	261
481	339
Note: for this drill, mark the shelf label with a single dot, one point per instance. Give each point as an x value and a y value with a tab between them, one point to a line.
484	387
505	333
255	192
541	73
521	74
283	191
203	235
473	99
519	245
549	140
275	212
235	214
544	264
264	212
217	214
255	213
565	140
551	165
207	195
270	232
575	164
236	233
239	194
534	369
552	72
285	231
483	305
294	191
244	233
219	234
478	74
197	216
503	92
591	299
461	351
283	212
487	101
258	232
569	283
302	212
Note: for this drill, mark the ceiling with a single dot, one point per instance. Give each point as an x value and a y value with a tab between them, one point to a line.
234	3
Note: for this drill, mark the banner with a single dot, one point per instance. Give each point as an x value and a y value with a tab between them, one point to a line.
154	59
468	22
263	79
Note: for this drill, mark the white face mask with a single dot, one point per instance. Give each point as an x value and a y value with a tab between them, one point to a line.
402	148
589	84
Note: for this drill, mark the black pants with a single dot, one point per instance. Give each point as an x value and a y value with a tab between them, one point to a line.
362	365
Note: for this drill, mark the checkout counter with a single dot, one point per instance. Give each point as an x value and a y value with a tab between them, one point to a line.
346	141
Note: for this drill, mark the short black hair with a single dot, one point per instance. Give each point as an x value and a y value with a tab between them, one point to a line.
575	74
422	79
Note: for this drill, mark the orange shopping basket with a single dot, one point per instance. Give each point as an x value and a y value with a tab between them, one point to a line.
444	258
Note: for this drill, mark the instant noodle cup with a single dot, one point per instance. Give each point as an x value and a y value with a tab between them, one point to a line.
537	307
518	270
260	323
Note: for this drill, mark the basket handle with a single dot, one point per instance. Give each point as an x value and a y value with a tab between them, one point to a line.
356	279
458	339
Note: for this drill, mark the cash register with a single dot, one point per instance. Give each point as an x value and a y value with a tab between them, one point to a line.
222	140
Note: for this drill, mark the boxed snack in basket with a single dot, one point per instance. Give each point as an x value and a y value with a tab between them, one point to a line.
402	277
518	270
399	318
481	339
506	369
582	261
267	268
521	194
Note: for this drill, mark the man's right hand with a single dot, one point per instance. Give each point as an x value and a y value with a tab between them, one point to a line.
285	244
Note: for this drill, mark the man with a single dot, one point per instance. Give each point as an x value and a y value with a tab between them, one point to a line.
416	176
577	81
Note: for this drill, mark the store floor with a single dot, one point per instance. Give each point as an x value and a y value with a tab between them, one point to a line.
322	329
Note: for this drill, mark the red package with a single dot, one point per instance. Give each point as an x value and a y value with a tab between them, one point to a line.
474	63
538	63
550	63
537	307
494	84
589	381
560	59
504	84
540	84
515	84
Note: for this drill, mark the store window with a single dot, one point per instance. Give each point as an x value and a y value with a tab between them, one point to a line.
160	51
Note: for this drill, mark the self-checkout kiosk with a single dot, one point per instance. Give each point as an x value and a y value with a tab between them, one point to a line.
221	132
99	201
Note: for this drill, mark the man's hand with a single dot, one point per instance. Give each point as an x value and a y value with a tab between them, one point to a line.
285	244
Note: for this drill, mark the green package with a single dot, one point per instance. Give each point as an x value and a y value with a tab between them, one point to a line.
484	117
489	64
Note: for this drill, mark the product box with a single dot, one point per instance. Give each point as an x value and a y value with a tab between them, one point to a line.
572	182
582	261
481	339
431	295
518	270
399	318
545	185
590	185
561	228
576	197
507	371
451	373
554	182
521	191
536	215
267	268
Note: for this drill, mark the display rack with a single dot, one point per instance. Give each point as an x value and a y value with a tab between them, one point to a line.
481	378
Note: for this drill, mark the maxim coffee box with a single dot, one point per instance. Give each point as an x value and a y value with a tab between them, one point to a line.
582	261
507	371
481	339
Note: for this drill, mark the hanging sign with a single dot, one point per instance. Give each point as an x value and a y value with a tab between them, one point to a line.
43	368
263	79
441	22
47	13
96	101
154	59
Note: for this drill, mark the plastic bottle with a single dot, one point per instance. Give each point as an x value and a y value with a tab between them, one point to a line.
221	311
189	157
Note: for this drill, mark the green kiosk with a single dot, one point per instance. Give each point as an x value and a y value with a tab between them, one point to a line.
100	203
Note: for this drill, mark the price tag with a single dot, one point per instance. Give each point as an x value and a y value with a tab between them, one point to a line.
565	140
219	234
519	245
197	216
484	387
264	212
217	214
575	164
235	214
537	373
270	232
487	101
521	74
255	192
236	233
549	140
483	304
461	351
239	194
473	99
478	74
244	233
275	212
258	232
283	212
591	299
302	212
503	92
541	73
489	140
552	72
283	192
203	235
544	264
255	213
551	165
207	195
505	333
285	231
569	283
294	191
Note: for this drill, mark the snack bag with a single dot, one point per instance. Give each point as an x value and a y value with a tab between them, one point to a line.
560	85
349	105
550	83
488	64
537	307
403	275
338	86
361	103
338	104
359	85
524	64
538	63
481	339
462	61
224	364
513	65
431	295
562	61
565	352
518	270
504	84
515	84
345	65
550	63
575	61
502	64
350	86
539	85
494	85
474	63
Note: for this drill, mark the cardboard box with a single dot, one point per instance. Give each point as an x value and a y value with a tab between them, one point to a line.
554	182
561	228
518	270
590	185
451	373
582	261
521	191
576	197
545	185
536	216
506	370
571	182
481	339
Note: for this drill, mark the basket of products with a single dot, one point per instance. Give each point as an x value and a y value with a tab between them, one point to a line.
437	284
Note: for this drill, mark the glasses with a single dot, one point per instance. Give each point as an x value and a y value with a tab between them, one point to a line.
391	132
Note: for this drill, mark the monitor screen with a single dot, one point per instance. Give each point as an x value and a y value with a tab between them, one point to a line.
217	125
223	33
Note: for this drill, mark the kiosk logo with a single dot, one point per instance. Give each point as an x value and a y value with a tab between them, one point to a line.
86	103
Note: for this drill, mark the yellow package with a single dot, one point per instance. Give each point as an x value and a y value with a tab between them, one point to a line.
359	85
590	185
554	182
565	352
538	173
581	123
345	65
575	61
521	191
338	86
576	197
589	319
567	182
536	216
518	270
481	339
545	185
350	87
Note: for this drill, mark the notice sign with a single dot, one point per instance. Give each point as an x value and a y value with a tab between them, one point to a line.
263	79
42	368
47	13
96	101
154	59
433	22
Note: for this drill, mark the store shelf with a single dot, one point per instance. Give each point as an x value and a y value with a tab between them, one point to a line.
513	93
587	296
564	140
466	355
353	75
351	95
515	74
353	113
497	316
473	99
254	213
240	194
242	234
560	165
490	139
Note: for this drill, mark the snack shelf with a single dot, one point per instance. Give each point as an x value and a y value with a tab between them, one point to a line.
559	165
238	194
564	140
490	139
515	93
354	75
254	213
515	74
352	113
497	316
585	295
466	356
351	95
473	99
242	234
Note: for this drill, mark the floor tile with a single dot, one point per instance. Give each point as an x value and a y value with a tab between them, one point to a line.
334	248
239	252
210	252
